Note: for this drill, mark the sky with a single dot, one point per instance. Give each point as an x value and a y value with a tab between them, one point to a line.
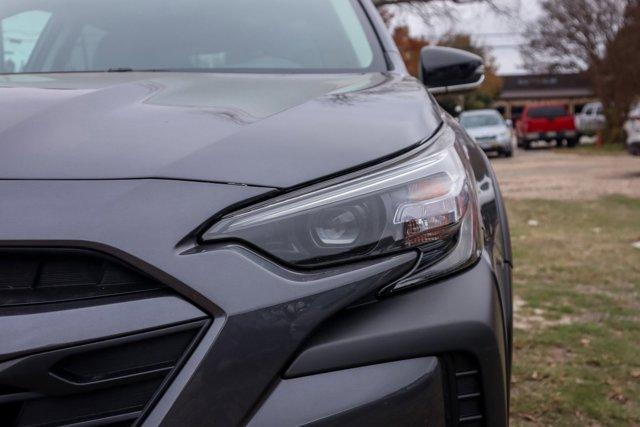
498	31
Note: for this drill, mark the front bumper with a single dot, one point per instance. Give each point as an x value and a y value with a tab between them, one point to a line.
551	135
458	318
493	144
278	345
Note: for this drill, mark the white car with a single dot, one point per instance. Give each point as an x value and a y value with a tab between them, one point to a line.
591	119
632	128
490	130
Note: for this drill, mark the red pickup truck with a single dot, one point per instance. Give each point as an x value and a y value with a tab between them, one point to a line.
546	123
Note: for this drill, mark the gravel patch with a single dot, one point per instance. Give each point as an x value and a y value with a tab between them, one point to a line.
548	174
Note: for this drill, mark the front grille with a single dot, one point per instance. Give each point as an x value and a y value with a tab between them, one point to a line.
29	277
464	390
107	379
486	138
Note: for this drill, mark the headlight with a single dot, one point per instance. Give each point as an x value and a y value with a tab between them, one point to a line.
418	202
505	136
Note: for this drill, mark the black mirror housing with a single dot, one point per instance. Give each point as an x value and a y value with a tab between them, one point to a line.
447	70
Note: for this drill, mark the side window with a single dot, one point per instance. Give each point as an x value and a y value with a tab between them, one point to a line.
18	37
600	110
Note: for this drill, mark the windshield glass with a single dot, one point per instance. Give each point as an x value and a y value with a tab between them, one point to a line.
480	120
550	112
44	36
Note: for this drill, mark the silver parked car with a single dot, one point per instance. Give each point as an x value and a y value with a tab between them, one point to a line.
591	119
490	130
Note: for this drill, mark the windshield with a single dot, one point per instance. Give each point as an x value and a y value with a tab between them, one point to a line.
45	36
550	112
480	120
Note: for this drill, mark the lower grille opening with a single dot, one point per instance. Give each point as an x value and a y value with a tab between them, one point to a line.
156	354
102	382
70	373
9	413
127	401
6	390
464	390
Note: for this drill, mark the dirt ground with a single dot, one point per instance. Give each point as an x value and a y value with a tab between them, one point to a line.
561	175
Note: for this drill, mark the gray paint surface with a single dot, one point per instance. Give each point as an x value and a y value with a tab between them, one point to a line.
267	130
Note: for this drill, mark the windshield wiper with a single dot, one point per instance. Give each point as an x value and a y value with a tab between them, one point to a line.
120	70
136	70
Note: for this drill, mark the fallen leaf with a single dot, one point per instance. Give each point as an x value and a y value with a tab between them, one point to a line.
585	342
635	373
618	396
534	223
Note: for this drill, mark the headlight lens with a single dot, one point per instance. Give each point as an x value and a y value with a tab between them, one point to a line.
416	202
505	136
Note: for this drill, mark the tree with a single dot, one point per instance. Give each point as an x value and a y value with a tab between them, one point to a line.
428	10
620	78
579	35
408	45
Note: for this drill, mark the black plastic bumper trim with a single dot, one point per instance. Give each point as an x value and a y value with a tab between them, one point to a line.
460	314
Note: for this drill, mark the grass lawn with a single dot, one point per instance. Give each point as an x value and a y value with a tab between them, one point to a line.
577	336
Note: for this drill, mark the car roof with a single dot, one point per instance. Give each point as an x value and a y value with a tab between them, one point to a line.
479	112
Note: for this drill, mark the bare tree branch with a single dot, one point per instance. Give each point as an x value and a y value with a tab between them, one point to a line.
418	2
572	34
430	10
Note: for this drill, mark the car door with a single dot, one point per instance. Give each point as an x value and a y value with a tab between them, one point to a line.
599	119
586	119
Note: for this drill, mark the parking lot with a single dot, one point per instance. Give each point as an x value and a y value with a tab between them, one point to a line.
575	222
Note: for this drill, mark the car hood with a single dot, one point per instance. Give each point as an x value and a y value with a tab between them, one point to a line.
487	131
269	130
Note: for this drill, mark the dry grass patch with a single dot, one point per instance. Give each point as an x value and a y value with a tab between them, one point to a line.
577	336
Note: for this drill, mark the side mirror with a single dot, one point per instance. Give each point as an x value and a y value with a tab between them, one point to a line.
447	70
